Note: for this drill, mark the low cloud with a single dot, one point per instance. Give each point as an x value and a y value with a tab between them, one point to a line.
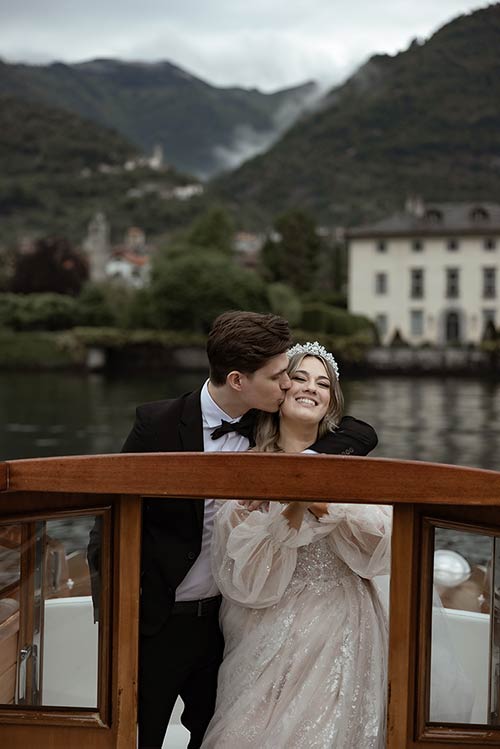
248	142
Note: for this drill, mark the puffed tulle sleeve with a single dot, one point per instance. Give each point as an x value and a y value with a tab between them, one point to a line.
361	536
254	553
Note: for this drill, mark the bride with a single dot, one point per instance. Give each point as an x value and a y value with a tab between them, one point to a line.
305	632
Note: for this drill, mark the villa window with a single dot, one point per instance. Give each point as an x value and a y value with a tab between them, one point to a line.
489	316
479	215
381	246
382	324
453	245
452	283
416	322
417	245
490	243
489	283
380	283
416	283
433	216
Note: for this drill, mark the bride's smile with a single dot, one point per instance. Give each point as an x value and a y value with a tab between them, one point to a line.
309	395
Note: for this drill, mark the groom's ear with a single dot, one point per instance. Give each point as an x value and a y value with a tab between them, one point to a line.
234	380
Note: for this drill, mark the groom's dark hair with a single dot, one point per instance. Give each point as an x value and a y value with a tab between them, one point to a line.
244	341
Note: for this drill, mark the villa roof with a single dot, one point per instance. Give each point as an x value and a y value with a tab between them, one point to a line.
434	219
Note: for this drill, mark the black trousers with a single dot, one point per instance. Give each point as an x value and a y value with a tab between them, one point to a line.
182	660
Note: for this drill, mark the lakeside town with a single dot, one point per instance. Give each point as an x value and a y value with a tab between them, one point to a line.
415	291
123	236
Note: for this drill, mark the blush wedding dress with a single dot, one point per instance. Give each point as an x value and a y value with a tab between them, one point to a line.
305	659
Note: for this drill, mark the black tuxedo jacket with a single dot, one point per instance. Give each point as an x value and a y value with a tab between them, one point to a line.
172	530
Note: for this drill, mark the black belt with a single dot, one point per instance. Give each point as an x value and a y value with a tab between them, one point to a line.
203	607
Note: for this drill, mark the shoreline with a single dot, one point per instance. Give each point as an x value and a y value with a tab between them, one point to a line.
138	351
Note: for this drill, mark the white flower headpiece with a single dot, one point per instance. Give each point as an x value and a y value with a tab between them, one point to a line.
314	349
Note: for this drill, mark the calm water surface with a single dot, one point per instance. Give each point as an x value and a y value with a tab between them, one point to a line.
447	420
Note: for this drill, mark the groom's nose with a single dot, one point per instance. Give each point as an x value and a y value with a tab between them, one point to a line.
285	382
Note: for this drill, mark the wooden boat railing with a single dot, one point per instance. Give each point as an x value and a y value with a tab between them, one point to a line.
111	488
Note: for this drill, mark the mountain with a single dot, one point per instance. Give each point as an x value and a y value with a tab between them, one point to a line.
201	128
425	121
59	169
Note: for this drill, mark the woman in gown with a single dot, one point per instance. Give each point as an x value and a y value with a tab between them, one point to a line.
305	632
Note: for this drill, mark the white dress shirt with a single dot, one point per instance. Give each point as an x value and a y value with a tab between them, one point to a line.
199	582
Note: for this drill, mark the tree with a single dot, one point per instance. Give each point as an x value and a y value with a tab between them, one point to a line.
189	291
214	229
292	252
50	265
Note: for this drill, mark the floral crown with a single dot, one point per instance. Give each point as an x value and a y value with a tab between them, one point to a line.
314	349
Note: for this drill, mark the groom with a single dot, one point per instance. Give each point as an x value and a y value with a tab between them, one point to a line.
180	641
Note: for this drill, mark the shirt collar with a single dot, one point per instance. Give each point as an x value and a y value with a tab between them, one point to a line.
212	413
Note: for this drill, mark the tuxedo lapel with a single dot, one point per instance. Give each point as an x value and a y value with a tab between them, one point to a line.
191	438
190	425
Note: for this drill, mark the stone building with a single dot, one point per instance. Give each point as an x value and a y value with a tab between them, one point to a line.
97	247
430	272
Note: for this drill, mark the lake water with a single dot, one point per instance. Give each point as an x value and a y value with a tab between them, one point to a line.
441	419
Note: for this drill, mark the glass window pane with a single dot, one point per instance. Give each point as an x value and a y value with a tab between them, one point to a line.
46	582
10	570
461	627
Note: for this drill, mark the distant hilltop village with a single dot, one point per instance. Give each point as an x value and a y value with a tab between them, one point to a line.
156	163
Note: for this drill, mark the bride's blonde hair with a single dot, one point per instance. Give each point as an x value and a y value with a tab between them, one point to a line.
267	428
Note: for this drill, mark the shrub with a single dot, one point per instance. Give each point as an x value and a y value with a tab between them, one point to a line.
37	350
285	302
94	307
335	321
38	311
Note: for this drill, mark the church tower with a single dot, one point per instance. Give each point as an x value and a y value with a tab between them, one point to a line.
96	245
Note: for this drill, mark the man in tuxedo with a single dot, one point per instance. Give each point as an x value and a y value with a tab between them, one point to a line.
180	641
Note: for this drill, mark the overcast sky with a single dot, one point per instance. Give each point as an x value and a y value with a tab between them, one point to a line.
268	44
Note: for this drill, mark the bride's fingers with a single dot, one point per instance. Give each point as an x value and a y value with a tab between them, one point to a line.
251	504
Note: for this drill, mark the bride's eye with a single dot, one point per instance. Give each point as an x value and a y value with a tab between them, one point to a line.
299	378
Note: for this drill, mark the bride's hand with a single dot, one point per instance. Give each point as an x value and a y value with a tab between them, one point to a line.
253	504
318	509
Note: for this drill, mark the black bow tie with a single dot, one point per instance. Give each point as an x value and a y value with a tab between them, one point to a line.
245	426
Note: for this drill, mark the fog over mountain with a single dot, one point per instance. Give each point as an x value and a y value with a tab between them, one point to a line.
203	129
425	121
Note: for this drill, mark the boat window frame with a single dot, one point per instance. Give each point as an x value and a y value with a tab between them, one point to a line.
99	716
453	518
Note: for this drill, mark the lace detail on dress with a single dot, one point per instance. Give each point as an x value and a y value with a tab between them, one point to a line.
318	568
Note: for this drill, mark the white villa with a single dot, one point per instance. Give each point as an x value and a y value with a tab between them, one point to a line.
430	272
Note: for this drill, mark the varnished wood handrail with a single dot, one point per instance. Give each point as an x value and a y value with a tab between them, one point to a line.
249	475
3	476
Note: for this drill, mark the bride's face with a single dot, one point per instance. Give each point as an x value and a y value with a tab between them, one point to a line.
309	395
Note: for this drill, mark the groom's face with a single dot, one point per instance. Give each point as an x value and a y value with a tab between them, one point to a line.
265	389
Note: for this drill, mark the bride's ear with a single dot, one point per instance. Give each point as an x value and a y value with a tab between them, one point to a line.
234	380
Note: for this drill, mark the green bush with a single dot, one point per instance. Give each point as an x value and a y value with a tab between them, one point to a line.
348	350
38	350
322	318
38	311
330	298
94	307
285	302
118	338
113	303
